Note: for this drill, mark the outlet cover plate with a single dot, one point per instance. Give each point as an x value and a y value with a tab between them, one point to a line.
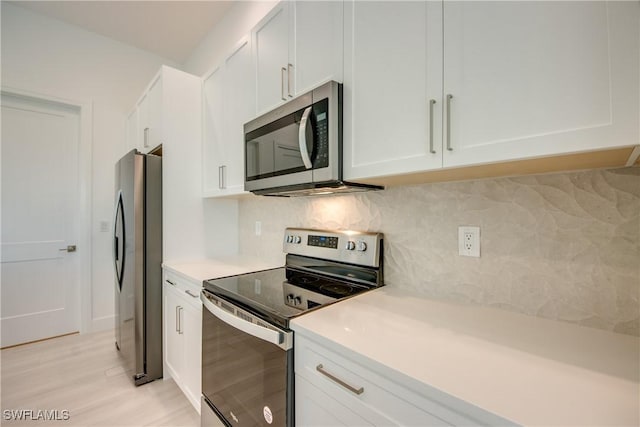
469	241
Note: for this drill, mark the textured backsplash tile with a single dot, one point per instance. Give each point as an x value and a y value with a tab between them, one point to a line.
563	246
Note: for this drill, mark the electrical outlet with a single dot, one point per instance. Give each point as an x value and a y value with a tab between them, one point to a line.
469	241
258	228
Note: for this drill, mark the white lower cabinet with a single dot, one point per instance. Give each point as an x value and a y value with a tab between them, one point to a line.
315	407
183	336
336	387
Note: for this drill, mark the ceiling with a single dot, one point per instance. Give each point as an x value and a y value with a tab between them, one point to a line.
171	29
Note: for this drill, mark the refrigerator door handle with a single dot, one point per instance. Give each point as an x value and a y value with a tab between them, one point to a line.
119	240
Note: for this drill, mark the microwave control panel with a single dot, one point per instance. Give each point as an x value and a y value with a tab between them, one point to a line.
321	136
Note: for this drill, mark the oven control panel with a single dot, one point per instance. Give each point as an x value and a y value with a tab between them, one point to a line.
354	247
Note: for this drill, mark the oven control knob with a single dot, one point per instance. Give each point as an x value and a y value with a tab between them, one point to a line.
297	239
362	246
297	300
351	245
290	298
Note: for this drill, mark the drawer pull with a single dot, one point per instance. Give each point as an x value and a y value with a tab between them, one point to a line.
191	294
170	282
351	388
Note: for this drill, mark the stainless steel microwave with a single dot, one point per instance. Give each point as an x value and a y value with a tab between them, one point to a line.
296	149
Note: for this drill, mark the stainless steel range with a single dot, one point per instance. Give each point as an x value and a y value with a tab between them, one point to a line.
247	346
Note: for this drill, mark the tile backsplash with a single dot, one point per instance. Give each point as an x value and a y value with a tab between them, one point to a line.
563	246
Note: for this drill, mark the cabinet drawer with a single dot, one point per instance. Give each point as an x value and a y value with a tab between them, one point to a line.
374	397
188	289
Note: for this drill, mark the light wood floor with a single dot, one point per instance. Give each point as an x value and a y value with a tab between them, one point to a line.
82	374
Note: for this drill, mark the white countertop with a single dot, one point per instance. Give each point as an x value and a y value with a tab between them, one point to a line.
205	269
529	370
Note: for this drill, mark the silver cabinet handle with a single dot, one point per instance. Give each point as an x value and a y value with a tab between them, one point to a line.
192	295
145	141
180	310
432	102
70	248
302	138
449	96
282	71
289	67
170	282
177	318
221	177
332	377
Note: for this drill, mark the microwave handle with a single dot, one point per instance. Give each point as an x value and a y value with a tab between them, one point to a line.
302	138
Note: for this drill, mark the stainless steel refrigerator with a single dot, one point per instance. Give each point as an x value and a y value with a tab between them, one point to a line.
137	253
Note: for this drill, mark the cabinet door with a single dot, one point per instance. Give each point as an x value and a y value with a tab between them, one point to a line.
174	338
239	94
213	144
539	78
318	43
270	40
142	130
393	68
229	102
154	101
132	130
192	318
316	408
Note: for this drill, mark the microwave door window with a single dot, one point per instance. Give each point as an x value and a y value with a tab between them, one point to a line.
276	152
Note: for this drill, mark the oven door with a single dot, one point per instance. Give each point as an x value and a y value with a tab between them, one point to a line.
298	143
247	367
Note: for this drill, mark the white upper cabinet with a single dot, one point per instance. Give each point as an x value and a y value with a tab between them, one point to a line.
295	47
271	55
149	117
539	78
155	115
169	112
504	80
229	94
318	43
392	71
142	129
132	130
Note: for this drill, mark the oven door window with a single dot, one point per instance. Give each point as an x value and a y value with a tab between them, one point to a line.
244	377
282	148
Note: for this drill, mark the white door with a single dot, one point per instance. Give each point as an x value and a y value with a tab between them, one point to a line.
40	220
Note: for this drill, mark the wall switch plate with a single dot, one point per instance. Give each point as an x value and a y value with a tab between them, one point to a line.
469	241
258	228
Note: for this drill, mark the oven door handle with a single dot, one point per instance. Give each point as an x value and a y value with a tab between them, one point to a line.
281	339
302	138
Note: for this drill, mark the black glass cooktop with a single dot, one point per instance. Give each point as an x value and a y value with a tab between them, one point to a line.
279	294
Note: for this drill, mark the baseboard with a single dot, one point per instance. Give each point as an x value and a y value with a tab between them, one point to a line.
103	323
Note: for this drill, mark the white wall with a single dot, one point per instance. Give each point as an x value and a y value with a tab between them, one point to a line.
238	22
221	215
46	56
562	246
